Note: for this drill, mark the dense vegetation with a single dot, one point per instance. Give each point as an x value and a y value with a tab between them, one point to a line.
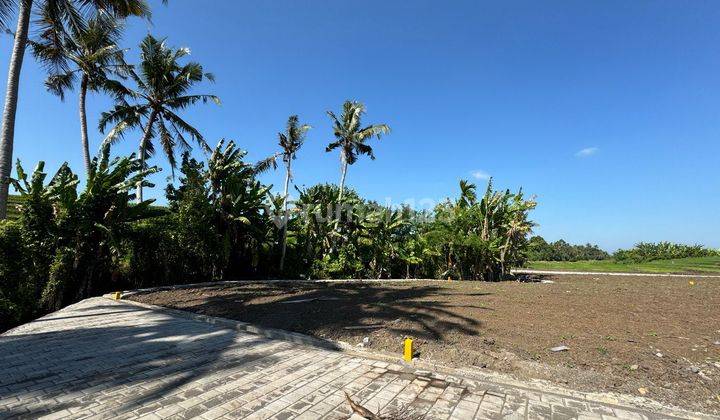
223	223
662	257
646	251
541	250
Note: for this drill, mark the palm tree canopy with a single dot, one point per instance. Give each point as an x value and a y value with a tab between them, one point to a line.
468	195
350	136
70	14
293	137
91	52
290	141
163	89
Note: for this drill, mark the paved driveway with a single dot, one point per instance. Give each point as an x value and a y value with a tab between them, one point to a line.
114	359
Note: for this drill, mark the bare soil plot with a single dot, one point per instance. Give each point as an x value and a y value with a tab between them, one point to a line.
656	337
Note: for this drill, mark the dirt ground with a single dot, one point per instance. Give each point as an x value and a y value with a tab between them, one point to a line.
658	337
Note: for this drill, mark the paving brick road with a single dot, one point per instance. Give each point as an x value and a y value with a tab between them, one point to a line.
115	359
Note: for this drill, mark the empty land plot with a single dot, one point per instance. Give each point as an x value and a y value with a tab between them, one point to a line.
657	337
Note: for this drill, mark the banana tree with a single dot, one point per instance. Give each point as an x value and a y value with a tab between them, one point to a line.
240	200
86	238
380	231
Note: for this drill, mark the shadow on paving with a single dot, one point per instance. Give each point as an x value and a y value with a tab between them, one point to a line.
317	307
118	368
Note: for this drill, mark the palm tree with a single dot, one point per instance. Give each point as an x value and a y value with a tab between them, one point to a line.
162	89
351	138
290	141
7	134
90	52
65	13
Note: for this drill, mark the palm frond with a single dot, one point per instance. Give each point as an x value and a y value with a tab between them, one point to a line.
266	164
130	115
6	11
167	142
57	84
183	127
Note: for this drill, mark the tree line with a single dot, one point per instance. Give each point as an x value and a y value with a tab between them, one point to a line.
648	251
539	249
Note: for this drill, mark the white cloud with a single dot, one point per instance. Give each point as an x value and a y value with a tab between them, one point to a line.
588	151
479	174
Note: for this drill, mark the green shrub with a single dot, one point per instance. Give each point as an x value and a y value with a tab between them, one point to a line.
58	291
162	251
17	302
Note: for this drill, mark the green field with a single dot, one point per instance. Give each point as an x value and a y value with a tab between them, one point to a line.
682	265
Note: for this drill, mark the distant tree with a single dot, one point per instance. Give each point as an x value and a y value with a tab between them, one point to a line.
648	251
540	250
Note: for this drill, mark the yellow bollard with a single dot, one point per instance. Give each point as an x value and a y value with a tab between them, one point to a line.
117	295
408	351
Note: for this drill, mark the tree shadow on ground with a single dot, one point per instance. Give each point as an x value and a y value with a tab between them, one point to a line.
119	363
318	308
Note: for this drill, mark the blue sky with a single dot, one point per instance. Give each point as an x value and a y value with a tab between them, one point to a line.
608	111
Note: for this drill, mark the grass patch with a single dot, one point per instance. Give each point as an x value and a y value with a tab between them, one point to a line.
680	265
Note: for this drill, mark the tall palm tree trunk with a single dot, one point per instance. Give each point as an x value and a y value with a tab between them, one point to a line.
343	173
7	135
83	123
286	216
141	152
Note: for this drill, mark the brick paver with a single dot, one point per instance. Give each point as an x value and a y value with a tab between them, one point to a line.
114	359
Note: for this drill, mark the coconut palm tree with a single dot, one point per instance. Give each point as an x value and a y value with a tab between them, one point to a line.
290	141
7	134
351	137
90	52
162	90
65	13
